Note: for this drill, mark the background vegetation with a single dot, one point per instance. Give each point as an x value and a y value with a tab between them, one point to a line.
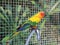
14	12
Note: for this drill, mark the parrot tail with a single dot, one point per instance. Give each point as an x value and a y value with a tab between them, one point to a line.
23	27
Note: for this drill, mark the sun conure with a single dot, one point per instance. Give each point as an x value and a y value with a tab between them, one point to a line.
32	21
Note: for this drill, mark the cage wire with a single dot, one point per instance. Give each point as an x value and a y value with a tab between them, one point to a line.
15	12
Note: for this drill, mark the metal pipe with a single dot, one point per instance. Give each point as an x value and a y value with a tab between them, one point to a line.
29	37
38	34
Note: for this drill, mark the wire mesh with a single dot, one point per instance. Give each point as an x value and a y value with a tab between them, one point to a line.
15	12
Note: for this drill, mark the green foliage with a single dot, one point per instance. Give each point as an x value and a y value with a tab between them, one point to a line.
26	11
5	39
10	20
1	16
14	20
55	10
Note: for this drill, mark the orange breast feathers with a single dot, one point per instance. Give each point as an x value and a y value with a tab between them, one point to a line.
37	17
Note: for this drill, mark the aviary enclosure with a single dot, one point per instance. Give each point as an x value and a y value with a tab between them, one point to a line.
16	12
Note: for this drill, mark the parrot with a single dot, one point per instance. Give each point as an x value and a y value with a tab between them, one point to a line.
31	22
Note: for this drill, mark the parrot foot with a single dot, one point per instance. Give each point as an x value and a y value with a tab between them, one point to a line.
33	27
37	31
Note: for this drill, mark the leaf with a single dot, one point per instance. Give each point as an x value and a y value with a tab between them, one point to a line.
45	6
55	11
5	39
15	24
1	9
33	2
9	12
26	12
42	24
2	17
56	4
3	12
18	8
